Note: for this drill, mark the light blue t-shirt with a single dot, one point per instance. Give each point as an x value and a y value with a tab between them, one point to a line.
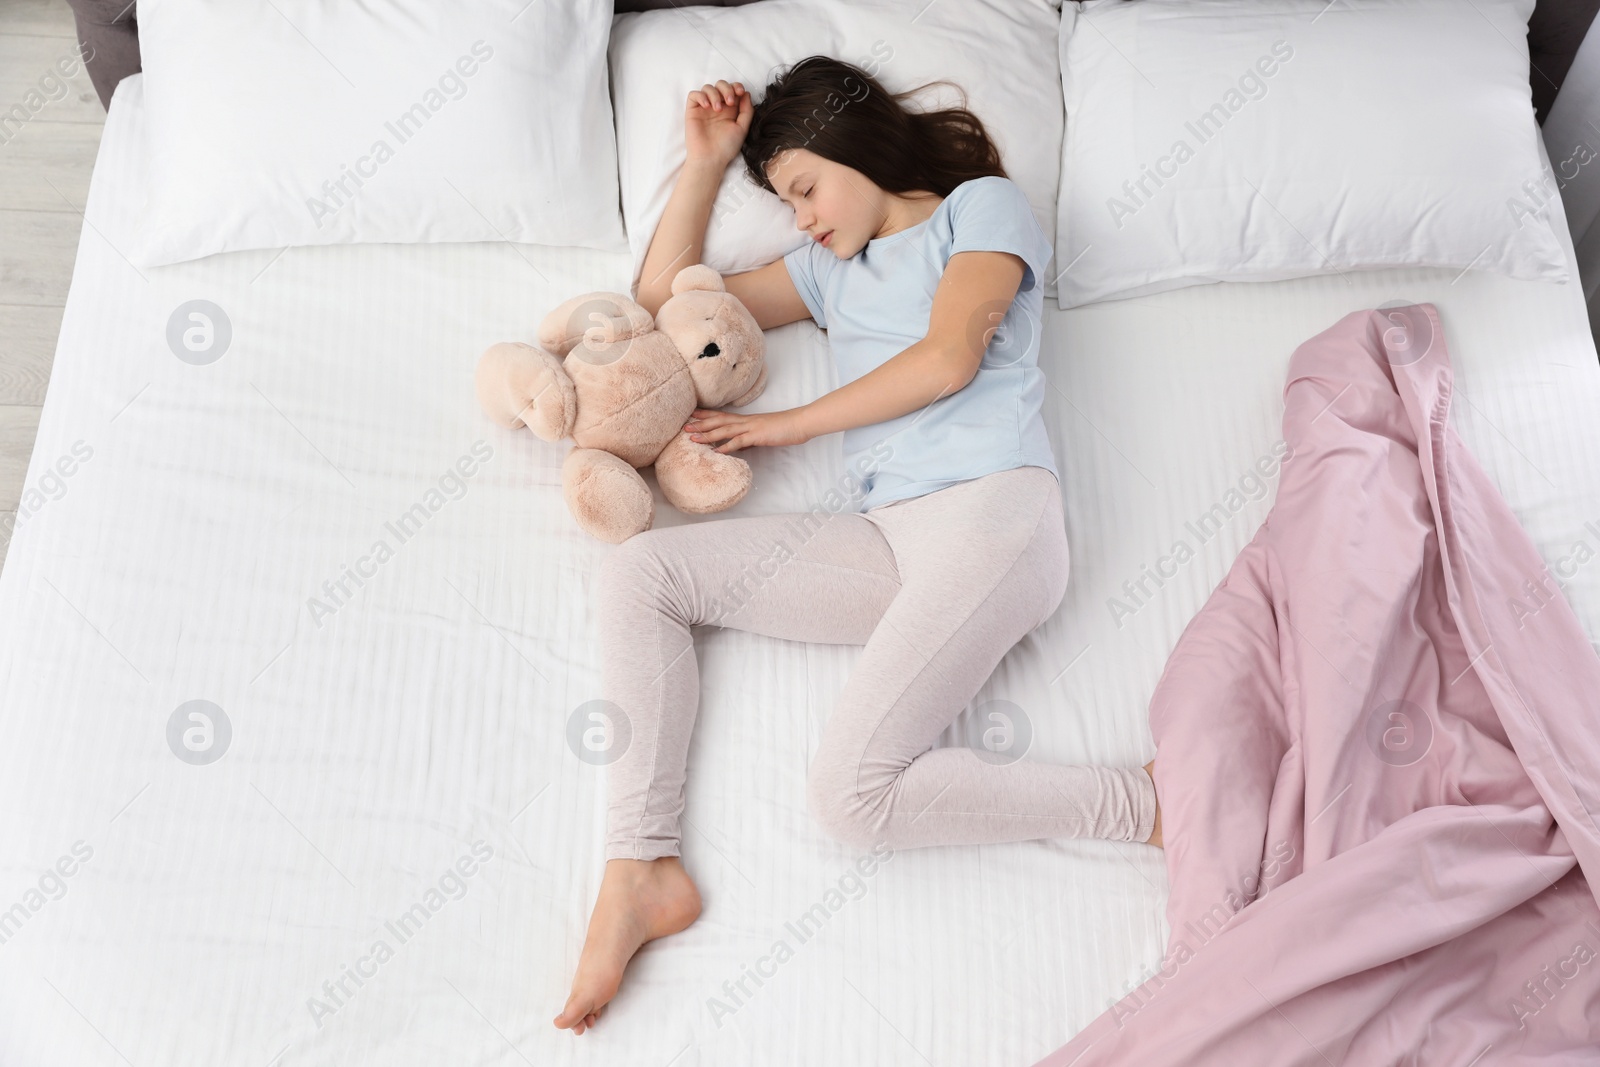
878	302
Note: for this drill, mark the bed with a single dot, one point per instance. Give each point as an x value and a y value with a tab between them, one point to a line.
387	738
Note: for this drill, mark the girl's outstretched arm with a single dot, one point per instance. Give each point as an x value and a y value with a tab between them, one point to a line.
715	121
973	295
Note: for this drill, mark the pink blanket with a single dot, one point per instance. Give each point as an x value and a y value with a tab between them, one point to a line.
1378	759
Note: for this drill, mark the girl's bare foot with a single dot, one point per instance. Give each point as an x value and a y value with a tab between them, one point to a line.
1155	835
639	900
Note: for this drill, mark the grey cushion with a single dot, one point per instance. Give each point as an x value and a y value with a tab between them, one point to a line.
108	37
652	5
1555	31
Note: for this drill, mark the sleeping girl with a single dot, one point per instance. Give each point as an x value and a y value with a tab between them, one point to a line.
926	266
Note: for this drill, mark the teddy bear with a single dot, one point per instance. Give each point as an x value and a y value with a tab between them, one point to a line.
622	385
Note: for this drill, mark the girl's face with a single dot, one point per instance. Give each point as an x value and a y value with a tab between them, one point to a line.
832	202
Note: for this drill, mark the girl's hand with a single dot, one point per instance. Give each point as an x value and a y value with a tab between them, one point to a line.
715	120
741	431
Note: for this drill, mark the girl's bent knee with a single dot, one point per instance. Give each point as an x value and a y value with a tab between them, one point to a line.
840	810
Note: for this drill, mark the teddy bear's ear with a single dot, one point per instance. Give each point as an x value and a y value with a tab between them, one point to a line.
697	276
597	317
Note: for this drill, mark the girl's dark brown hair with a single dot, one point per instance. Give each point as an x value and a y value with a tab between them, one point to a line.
843	114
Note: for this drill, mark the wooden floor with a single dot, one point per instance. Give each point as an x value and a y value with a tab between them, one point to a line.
44	181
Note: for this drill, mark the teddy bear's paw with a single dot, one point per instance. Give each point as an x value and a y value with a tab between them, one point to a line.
698	480
606	495
523	385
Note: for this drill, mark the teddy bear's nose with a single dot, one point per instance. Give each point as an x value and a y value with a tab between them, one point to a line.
710	350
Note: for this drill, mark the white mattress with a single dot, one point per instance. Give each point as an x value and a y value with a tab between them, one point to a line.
429	712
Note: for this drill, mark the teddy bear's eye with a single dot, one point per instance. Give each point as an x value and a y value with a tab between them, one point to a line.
710	350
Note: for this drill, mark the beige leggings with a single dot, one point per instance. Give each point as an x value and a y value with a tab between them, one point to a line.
937	588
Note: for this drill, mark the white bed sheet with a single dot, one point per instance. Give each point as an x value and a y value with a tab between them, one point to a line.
429	712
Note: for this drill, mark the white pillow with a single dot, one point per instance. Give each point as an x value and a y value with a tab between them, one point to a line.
658	57
1356	134
305	122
